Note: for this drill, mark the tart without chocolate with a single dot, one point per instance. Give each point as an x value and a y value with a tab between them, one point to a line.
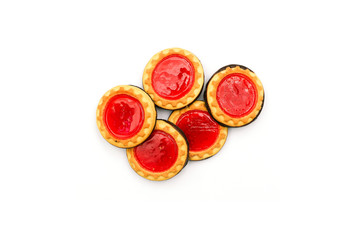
205	136
234	96
173	78
126	116
162	155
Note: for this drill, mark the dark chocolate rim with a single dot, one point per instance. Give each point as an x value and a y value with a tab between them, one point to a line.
206	100
231	66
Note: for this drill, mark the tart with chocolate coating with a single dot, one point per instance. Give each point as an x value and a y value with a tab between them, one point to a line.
126	116
205	136
173	78
234	96
163	155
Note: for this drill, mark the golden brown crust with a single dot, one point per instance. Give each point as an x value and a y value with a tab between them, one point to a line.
178	165
213	104
220	141
149	116
190	96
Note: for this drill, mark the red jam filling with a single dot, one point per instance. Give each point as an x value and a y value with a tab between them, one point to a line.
123	116
199	128
173	77
236	95
158	153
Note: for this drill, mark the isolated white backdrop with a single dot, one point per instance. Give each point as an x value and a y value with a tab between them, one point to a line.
292	174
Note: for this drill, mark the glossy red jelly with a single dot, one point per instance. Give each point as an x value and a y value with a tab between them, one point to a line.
158	153
123	116
199	128
173	77
236	95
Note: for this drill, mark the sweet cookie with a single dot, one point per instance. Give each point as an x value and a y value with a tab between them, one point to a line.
162	155
126	116
234	96
205	136
173	78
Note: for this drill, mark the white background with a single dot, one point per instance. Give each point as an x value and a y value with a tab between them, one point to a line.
292	174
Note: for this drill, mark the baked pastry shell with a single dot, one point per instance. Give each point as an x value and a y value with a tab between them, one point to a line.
190	96
213	106
149	116
180	162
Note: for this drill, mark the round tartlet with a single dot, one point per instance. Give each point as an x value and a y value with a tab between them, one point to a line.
173	78
234	96
126	116
163	155
205	136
